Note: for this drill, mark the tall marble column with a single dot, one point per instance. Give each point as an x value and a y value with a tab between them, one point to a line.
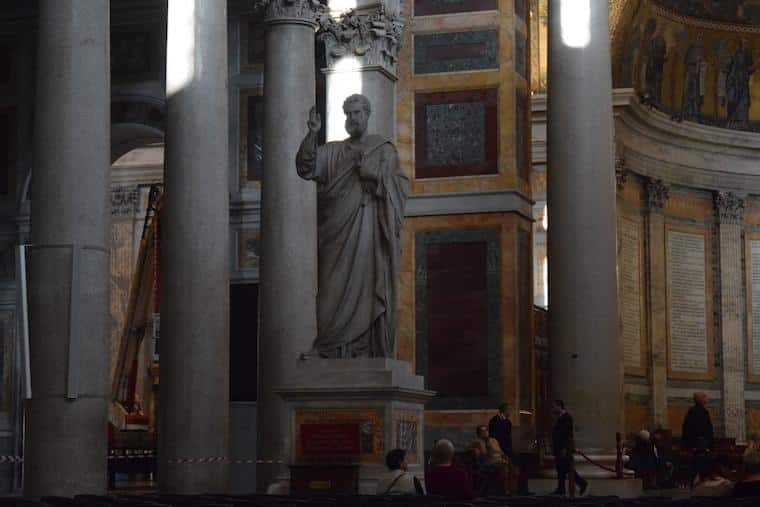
730	210
193	406
66	447
288	270
657	320
583	312
362	61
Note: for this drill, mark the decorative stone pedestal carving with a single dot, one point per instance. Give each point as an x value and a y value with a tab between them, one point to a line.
382	396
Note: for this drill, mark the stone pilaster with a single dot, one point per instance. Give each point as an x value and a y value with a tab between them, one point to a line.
583	295
729	209
193	411
658	193
66	418
288	269
362	57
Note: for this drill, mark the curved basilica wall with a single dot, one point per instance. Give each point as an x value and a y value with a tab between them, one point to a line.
689	211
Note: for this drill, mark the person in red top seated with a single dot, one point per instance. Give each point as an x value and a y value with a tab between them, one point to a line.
444	479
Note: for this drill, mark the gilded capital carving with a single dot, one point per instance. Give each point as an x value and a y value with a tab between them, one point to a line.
291	11
621	173
373	39
658	193
729	207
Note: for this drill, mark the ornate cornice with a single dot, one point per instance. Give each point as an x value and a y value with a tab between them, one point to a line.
300	12
658	193
729	207
124	201
374	39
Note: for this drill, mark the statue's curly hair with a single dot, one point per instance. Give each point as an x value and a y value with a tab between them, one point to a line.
361	99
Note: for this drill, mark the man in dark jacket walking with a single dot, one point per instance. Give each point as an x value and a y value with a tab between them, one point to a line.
697	434
697	430
563	446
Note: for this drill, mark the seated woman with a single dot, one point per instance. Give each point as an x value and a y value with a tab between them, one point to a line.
643	460
494	465
750	486
444	479
397	480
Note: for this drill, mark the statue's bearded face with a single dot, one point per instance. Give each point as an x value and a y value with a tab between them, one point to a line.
356	119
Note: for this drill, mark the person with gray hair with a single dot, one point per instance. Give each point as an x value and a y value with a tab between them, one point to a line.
361	196
445	479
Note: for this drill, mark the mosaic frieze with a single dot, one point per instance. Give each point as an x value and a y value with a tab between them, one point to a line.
456	133
455	51
430	7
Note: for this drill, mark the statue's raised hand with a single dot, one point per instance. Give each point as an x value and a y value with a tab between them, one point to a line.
315	120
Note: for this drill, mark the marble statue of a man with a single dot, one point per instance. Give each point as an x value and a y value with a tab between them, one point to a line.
361	197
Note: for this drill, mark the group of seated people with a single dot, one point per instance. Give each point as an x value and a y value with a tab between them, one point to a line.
650	460
483	470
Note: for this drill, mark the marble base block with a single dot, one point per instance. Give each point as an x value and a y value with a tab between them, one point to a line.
383	396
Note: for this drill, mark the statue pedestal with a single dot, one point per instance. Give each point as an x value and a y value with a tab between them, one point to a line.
355	411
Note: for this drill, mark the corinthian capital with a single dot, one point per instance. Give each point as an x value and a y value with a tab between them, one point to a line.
372	39
291	11
729	207
657	192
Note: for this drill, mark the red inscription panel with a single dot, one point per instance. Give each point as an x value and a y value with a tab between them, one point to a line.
330	439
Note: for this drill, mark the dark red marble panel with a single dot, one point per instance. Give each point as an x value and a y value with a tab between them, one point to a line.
457	319
430	7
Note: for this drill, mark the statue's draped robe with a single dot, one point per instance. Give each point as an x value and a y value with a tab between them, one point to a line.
358	228
737	86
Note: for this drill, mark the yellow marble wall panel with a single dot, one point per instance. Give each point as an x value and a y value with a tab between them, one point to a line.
751	213
690	206
637	416
504	79
753	423
458	418
676	414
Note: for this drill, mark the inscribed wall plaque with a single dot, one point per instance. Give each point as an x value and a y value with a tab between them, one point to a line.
455	51
754	293
456	133
630	292
369	421
687	304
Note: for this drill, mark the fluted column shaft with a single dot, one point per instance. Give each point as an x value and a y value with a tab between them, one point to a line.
657	194
583	313
288	270
729	209
194	393
66	447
